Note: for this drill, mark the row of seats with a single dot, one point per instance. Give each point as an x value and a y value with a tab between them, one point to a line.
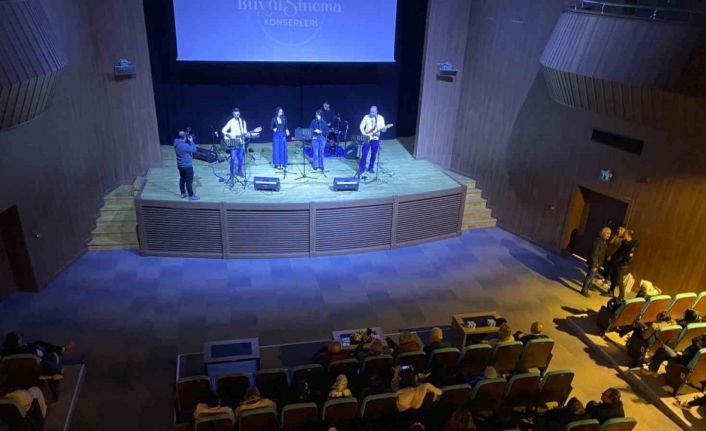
276	383
526	390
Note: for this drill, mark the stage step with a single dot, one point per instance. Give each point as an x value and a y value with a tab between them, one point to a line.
478	223
476	214
116	226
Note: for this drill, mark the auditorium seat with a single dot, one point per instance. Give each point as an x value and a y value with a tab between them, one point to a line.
219	422
618	424
475	358
638	348
584	425
446	357
264	419
380	365
625	315
505	356
188	391
314	374
339	410
694	373
487	395
231	388
537	354
272	383
522	390
456	396
300	417
376	407
556	387
22	370
349	367
418	360
685	336
653	307
679	304
17	418
700	303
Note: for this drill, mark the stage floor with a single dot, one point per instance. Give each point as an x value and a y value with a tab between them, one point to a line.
400	174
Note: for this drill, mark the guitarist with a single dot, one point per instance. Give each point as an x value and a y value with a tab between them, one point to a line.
237	129
371	126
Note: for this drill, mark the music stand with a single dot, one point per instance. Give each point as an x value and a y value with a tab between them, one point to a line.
359	140
233	145
302	135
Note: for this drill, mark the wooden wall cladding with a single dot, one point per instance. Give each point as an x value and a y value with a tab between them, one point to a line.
29	61
634	69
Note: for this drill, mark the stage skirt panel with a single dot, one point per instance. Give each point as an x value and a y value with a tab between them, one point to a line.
318	145
279	148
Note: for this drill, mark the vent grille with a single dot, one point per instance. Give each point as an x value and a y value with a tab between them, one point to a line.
353	228
182	230
268	232
428	218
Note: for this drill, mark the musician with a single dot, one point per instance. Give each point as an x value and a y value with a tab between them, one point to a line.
328	114
318	144
372	126
280	133
184	147
237	129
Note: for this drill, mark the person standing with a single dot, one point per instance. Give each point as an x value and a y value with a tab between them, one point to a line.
236	129
318	144
184	147
596	259
328	114
280	133
620	264
614	242
371	126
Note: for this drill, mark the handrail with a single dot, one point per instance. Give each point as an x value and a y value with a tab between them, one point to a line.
655	9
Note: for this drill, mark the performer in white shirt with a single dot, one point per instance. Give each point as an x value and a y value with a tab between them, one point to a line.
237	129
371	126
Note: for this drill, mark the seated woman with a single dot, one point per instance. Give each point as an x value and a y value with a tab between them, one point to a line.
375	348
340	388
210	404
504	336
639	339
407	343
331	353
410	392
253	400
49	354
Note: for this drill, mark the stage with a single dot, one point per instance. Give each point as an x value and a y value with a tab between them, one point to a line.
410	201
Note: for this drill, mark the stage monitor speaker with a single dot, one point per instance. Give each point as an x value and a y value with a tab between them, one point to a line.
266	183
207	156
351	151
346	184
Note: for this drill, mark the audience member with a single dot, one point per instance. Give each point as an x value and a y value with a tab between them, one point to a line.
436	337
690	316
641	333
331	353
340	388
407	343
375	348
376	386
596	259
695	402
608	407
253	400
461	420
410	393
210	404
536	331
614	242
489	373
620	264
504	335
25	397
49	354
557	419
665	353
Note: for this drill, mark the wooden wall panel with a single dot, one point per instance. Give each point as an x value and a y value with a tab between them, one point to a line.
95	134
529	153
446	35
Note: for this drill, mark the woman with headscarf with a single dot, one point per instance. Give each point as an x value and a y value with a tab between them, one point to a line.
253	400
340	388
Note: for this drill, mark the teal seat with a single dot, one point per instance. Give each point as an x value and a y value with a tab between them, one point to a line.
694	373
700	303
625	315
456	396
475	359
654	306
272	383
264	419
418	360
556	387
189	390
679	304
487	395
446	357
231	388
584	425
339	410
537	354
506	356
219	422
691	331
380	365
299	416
522	390
379	406
618	424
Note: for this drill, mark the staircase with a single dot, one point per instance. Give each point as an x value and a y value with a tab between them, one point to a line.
116	227
475	214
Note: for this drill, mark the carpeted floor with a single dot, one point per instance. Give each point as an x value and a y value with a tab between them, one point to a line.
130	315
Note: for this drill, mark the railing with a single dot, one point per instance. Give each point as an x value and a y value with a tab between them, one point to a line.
654	12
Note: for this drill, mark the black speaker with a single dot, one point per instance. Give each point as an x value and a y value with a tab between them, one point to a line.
207	156
346	184
266	183
351	151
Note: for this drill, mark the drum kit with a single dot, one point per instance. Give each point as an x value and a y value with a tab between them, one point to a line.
337	135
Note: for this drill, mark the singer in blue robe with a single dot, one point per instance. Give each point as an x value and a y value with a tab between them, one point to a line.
318	144
280	133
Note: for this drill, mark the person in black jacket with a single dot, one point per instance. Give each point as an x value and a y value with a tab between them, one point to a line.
596	260
667	353
620	264
609	407
557	419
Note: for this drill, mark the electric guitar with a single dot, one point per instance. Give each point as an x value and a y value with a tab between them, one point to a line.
371	132
232	139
